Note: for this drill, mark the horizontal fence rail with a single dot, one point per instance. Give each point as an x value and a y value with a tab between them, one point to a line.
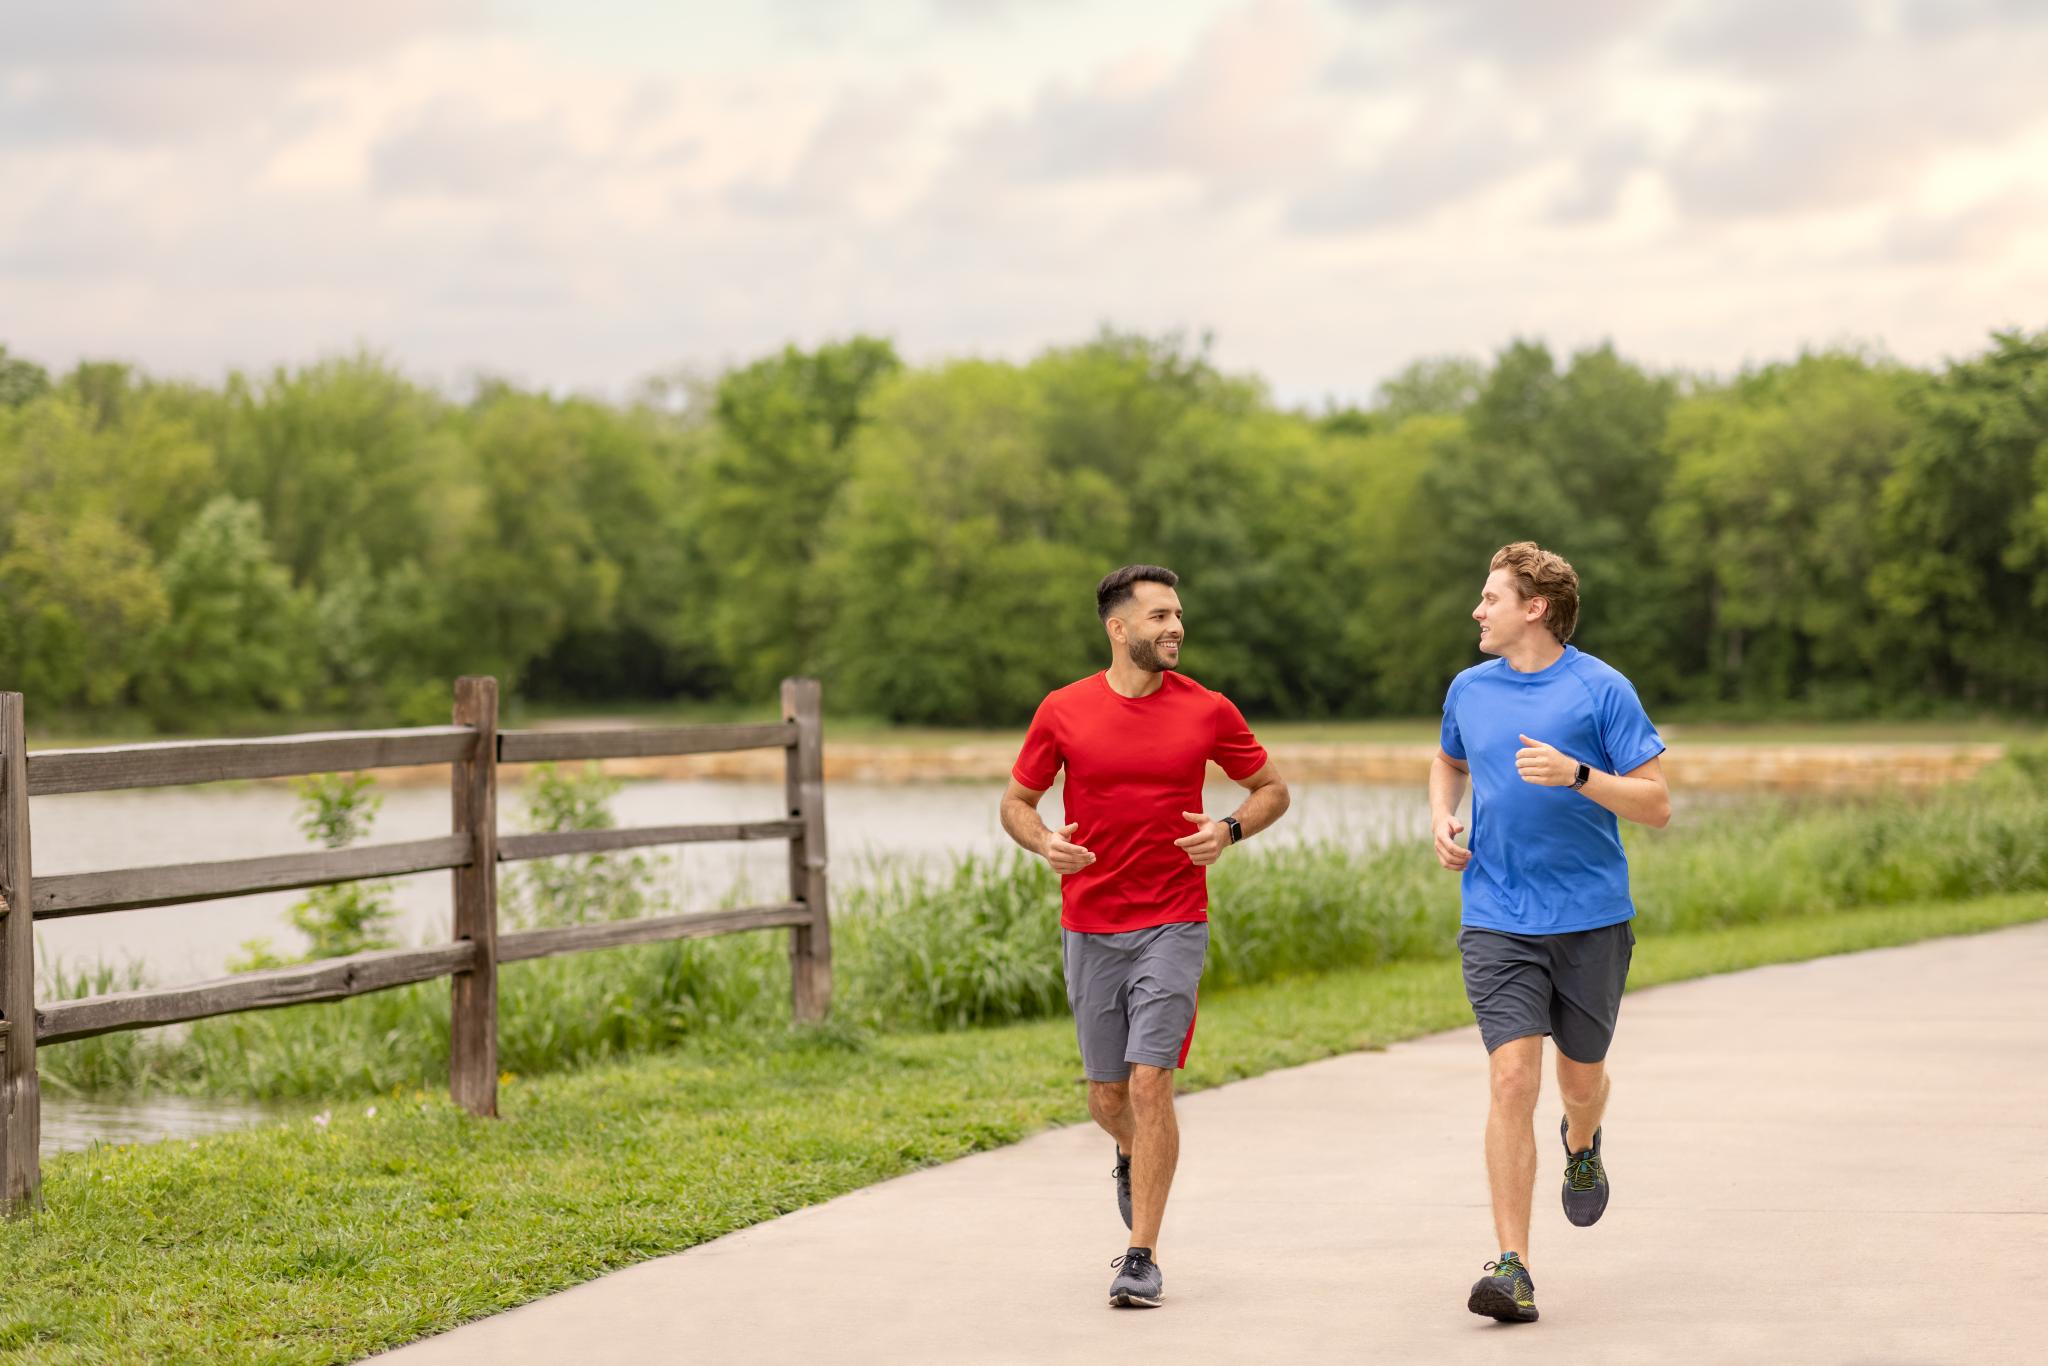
550	746
474	749
176	883
177	763
326	979
512	848
611	934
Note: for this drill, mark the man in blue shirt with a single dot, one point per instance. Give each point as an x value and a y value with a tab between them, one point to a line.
1557	746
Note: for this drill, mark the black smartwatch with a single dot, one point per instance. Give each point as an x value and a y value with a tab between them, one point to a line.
1580	781
1236	830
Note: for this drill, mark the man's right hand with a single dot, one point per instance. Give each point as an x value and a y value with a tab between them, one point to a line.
1449	852
1062	853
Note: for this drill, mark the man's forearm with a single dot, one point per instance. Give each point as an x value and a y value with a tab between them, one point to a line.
1446	789
1022	823
1261	807
1642	800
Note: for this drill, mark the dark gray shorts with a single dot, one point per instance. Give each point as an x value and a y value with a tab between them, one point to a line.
1133	995
1565	985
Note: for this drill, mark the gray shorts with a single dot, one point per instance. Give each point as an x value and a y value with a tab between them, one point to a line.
1565	985
1133	995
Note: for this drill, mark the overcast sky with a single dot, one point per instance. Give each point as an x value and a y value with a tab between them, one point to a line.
578	194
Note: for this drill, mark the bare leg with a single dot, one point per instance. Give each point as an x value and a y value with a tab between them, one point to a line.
1517	1076
1155	1151
1109	1103
1584	1087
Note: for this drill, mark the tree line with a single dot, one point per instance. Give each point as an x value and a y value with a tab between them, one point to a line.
1838	534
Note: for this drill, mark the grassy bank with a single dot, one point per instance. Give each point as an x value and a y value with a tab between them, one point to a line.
979	945
327	1238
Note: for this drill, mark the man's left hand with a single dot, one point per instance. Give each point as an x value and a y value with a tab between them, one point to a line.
1544	766
1206	845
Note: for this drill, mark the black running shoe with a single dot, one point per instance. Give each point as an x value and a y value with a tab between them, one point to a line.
1585	1179
1508	1294
1138	1284
1122	1172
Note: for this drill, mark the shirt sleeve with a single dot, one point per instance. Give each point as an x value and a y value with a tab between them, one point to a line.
1236	751
1625	730
1038	763
1450	738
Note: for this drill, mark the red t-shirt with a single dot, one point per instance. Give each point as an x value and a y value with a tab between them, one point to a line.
1133	765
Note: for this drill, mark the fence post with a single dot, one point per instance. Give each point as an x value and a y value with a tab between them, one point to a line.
21	1124
810	946
473	1047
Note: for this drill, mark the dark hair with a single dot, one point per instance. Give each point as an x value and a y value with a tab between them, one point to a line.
1115	589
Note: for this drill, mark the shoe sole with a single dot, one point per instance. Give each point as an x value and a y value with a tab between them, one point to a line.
1489	1302
1134	1302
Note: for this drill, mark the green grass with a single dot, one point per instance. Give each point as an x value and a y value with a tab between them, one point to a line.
309	1242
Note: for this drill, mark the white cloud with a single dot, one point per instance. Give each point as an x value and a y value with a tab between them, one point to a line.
1333	186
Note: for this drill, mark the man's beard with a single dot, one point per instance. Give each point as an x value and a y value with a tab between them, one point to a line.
1145	654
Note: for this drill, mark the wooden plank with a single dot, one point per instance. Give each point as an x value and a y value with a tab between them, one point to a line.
21	1102
513	848
810	944
611	934
172	884
179	762
552	746
329	979
473	1019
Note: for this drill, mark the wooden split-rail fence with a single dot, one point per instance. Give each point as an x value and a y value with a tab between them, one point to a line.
474	747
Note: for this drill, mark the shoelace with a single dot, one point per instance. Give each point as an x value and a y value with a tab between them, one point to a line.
1138	1261
1517	1277
1585	1171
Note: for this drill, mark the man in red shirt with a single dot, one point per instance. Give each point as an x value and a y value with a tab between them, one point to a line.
1136	741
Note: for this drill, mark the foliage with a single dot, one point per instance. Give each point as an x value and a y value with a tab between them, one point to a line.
577	888
335	810
1837	535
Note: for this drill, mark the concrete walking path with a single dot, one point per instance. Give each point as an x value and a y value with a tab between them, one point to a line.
1837	1161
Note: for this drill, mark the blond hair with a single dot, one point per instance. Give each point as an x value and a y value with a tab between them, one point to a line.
1544	574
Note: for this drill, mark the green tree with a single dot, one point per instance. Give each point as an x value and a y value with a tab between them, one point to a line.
785	428
1963	564
1572	460
1438	386
346	453
21	380
952	584
237	635
1771	520
76	594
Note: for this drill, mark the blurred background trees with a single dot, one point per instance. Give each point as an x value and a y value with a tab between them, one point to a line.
1837	535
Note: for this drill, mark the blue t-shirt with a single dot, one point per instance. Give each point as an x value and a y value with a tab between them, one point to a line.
1545	860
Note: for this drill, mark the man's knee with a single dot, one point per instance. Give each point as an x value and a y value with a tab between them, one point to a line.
1108	1099
1581	1084
1517	1080
1151	1088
